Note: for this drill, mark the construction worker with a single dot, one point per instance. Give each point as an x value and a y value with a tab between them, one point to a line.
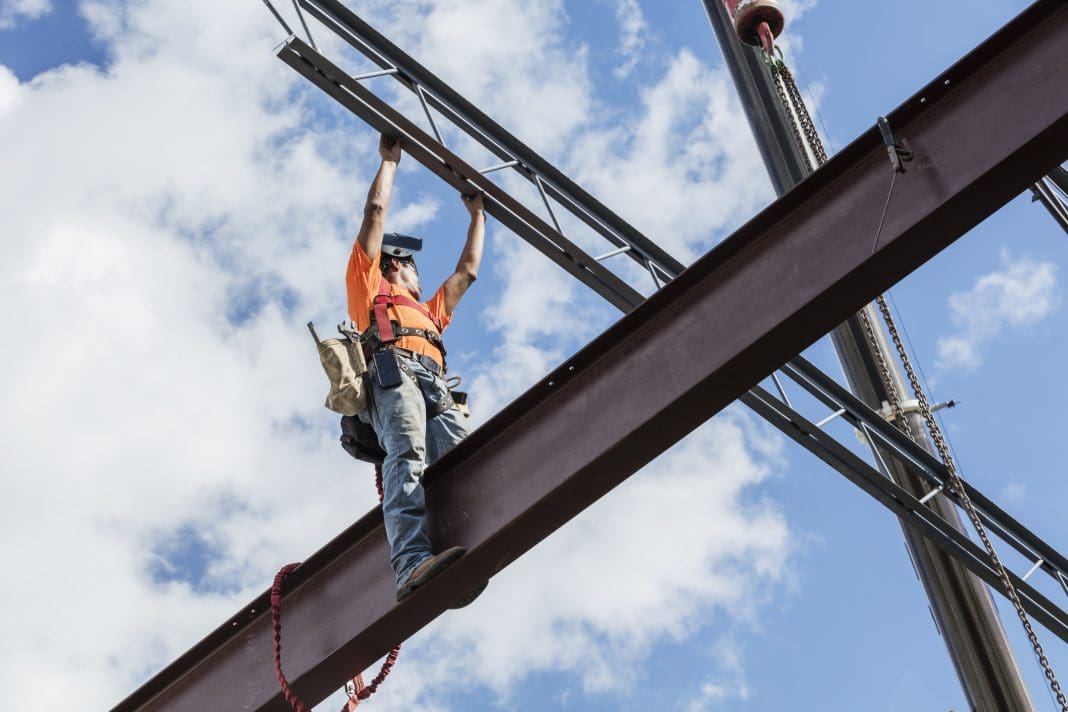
409	405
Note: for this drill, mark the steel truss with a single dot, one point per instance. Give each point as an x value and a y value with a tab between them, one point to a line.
877	430
517	487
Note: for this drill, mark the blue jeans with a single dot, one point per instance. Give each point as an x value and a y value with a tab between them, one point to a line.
412	441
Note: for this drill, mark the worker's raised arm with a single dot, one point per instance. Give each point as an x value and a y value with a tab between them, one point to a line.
471	257
374	212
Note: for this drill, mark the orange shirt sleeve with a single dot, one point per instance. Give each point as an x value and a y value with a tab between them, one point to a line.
436	307
362	279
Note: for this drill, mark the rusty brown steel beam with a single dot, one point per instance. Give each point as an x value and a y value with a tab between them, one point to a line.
982	132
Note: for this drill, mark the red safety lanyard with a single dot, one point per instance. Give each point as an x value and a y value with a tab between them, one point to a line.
360	691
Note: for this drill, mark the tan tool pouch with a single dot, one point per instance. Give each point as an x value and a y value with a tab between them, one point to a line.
345	368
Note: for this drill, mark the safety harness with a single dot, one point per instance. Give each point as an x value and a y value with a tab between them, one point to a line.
386	331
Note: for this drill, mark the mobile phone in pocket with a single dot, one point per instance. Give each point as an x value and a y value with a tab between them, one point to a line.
387	369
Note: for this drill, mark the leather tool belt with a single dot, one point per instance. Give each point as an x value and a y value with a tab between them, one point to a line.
424	360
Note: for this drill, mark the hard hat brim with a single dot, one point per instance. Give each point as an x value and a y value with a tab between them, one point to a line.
397	245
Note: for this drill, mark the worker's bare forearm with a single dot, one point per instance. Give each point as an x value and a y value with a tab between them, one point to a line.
471	256
378	196
374	212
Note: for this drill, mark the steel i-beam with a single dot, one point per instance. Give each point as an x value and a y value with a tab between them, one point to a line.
780	282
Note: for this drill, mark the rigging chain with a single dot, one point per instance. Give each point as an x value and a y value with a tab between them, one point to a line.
801	122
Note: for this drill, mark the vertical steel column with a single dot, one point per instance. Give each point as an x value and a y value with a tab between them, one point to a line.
961	605
1059	176
1045	191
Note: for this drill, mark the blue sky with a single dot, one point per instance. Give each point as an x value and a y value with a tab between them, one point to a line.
178	203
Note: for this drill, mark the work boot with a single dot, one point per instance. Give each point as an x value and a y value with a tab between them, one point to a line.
429	569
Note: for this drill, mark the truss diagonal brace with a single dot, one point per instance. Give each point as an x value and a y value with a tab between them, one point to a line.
784	279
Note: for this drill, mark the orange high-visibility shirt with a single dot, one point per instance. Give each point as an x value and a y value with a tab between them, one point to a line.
362	280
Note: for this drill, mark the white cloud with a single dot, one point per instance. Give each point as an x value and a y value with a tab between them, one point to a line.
171	221
682	170
516	62
13	11
728	683
1017	296
1014	493
794	9
9	91
104	18
139	202
542	315
632	28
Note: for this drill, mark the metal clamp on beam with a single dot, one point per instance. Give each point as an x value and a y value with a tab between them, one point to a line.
900	153
911	406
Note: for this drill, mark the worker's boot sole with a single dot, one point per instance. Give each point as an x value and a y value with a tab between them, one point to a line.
469	598
429	569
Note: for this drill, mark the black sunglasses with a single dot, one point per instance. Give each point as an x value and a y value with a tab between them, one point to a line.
409	260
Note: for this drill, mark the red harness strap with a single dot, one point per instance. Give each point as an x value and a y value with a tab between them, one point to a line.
384	300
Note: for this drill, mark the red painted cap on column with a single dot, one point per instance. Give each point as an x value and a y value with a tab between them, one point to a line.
748	14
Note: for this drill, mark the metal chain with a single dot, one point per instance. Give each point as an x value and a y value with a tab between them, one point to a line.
777	68
957	485
801	110
797	111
